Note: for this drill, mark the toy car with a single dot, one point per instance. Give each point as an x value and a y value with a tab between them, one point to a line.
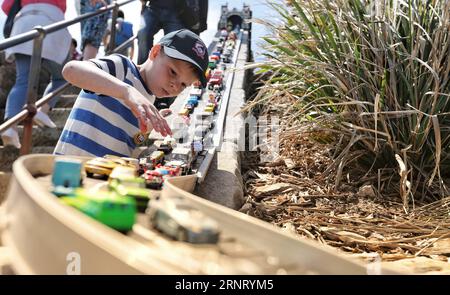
196	92
197	144
201	130
153	179
232	36
177	219
216	53
184	112
224	33
217	88
101	166
131	186
208	124
211	97
189	107
180	132
169	171
132	162
208	121
175	164
216	79
184	155
164	146
115	211
145	164
210	107
212	63
66	176
157	157
193	100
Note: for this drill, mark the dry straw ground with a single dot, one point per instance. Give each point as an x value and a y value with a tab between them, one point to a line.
297	192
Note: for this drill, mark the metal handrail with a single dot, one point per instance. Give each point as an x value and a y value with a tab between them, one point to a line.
38	34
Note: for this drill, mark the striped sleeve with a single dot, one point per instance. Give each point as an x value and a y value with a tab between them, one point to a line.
114	64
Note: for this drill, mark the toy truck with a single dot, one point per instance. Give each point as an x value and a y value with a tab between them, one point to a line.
185	156
176	218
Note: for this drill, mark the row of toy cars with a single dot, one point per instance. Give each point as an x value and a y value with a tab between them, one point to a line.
155	168
117	207
192	102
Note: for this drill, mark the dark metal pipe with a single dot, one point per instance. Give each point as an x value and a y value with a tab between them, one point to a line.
32	92
112	35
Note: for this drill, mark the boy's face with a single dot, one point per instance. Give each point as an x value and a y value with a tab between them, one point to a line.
167	76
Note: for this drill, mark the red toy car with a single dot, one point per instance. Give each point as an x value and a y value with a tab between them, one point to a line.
216	79
153	179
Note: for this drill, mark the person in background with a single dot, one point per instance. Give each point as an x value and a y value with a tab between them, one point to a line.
124	31
202	24
114	113
75	54
156	15
93	29
55	52
165	14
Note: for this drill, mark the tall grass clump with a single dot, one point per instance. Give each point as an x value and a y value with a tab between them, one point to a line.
377	75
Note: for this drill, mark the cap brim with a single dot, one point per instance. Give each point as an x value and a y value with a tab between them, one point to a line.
178	55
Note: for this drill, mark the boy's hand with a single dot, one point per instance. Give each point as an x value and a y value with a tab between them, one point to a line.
165	112
148	116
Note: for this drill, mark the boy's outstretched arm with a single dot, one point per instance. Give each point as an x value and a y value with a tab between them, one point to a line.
87	75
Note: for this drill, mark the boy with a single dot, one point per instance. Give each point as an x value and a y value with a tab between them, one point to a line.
114	112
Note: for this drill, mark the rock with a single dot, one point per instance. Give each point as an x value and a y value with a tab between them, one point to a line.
366	191
272	188
289	227
439	247
419	265
290	163
247	207
277	162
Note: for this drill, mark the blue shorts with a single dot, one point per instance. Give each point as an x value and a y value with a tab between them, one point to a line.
93	29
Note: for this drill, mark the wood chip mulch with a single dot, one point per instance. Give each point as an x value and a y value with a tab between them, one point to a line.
296	192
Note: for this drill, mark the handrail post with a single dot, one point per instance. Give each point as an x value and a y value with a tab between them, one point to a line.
32	92
112	35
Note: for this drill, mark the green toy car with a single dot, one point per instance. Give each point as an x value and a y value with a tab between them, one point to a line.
109	208
133	187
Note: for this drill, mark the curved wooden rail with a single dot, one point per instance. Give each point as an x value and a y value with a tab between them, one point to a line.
41	233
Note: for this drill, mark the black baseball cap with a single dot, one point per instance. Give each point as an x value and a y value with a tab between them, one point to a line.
186	45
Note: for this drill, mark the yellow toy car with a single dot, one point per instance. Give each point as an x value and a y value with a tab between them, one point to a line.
100	166
184	112
157	157
210	107
131	162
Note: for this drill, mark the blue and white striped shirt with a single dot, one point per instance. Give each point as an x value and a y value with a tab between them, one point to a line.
100	124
